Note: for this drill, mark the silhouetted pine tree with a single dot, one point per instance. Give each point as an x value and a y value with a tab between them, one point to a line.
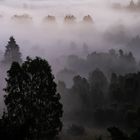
12	52
138	3
32	101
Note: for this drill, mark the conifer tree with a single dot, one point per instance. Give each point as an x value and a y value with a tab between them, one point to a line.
12	52
32	100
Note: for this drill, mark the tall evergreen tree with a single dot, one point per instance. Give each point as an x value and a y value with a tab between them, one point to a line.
81	88
32	100
98	87
12	52
138	3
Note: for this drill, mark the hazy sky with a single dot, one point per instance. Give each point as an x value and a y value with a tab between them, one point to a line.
38	36
64	1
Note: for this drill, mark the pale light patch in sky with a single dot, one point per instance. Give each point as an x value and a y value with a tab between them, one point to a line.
59	2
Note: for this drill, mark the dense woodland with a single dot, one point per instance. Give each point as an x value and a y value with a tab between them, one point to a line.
104	96
111	62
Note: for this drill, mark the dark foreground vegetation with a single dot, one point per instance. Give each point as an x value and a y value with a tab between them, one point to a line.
33	110
104	101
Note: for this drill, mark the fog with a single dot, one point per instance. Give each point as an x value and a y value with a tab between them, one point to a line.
48	38
57	40
111	28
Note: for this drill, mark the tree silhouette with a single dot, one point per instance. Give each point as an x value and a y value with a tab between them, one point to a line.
12	52
138	3
132	5
136	135
98	87
125	89
87	19
81	88
70	19
32	101
117	134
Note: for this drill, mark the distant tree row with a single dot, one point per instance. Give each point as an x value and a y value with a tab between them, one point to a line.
133	6
111	62
68	19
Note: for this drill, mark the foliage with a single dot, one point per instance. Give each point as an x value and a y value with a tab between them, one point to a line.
12	52
32	100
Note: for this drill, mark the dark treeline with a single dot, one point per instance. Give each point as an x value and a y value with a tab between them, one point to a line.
111	62
98	102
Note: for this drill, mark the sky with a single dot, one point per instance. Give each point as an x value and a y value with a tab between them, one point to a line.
13	2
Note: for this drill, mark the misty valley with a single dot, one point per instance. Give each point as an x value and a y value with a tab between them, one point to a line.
69	70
